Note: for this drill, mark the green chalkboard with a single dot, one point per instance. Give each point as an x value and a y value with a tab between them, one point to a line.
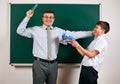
74	17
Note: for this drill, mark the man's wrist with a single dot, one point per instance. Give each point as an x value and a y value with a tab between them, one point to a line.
28	17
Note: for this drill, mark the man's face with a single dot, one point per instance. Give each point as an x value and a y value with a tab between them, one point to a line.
98	30
48	19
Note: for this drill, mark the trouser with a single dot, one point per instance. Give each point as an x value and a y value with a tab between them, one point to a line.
44	72
88	75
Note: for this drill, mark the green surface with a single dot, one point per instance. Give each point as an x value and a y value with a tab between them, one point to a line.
74	17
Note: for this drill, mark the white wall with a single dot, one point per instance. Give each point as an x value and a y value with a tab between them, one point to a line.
68	74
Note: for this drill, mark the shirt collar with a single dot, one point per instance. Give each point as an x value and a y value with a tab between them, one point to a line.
100	37
44	26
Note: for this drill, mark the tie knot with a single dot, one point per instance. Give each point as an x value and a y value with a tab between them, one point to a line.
48	28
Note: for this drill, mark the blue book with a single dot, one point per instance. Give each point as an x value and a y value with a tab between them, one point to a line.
67	37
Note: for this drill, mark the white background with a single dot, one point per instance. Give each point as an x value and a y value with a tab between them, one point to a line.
68	74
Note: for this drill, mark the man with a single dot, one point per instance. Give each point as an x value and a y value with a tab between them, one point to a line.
93	55
46	39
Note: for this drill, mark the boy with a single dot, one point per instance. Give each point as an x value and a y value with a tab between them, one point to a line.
93	55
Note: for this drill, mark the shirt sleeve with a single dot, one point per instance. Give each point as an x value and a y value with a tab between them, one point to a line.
60	31
79	34
100	46
22	30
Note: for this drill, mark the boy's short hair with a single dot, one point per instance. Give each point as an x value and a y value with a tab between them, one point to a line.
104	25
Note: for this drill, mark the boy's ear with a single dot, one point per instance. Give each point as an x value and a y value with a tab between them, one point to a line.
103	30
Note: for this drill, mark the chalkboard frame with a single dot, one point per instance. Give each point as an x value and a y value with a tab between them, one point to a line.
12	62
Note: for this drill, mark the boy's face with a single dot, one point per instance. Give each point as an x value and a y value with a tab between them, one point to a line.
48	19
98	30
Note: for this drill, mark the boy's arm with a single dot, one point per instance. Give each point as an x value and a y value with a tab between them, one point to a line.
83	51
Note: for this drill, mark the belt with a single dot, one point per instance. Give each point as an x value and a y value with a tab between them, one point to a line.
44	60
89	67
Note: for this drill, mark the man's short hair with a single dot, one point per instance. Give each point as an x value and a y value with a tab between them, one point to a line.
48	11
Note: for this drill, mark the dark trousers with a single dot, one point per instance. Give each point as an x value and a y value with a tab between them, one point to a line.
88	75
44	72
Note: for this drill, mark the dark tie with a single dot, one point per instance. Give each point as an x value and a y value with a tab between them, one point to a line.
49	43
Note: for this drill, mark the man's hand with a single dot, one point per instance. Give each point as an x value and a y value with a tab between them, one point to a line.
29	13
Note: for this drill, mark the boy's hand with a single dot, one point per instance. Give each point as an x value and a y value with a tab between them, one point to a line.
74	43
